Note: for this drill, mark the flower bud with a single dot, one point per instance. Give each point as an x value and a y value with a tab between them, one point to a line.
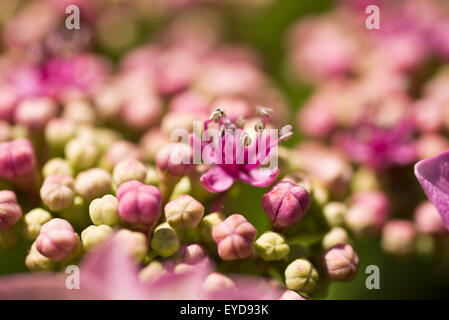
175	158
93	183
218	282
17	158
139	204
79	111
336	235
57	166
184	186
286	203
272	246
133	243
208	223
151	142
128	169
291	295
77	214
36	262
82	154
334	213
57	192
184	212
104	211
340	263
191	254
428	220
234	237
399	237
58	132
152	177
34	220
301	275
92	236
118	151
35	113
367	213
153	271
10	211
57	240
164	241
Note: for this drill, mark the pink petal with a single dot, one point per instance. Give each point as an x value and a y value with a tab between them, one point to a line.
217	180
259	177
111	273
433	175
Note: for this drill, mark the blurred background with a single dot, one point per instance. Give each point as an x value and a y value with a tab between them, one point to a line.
266	31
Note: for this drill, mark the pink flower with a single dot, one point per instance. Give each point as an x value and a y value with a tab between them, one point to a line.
17	158
433	175
234	156
139	204
10	211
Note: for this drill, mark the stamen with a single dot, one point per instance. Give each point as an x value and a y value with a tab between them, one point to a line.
285	129
222	130
286	136
245	139
217	115
259	126
240	122
264	112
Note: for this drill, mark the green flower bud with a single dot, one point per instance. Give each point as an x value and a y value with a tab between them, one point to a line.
93	183
128	169
104	211
152	177
182	187
335	236
208	223
57	166
184	212
271	246
164	241
334	213
82	154
92	236
364	179
58	132
134	243
77	214
36	262
33	222
57	192
152	272
301	275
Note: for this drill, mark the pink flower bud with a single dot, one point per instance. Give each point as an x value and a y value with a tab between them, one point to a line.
57	192
35	113
139	204
142	111
191	254
128	169
57	240
399	237
428	220
93	183
234	237
175	158
10	211
291	295
151	142
184	212
286	203
17	158
340	263
118	151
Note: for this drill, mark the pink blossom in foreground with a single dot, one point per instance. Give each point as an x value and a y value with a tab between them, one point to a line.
109	273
